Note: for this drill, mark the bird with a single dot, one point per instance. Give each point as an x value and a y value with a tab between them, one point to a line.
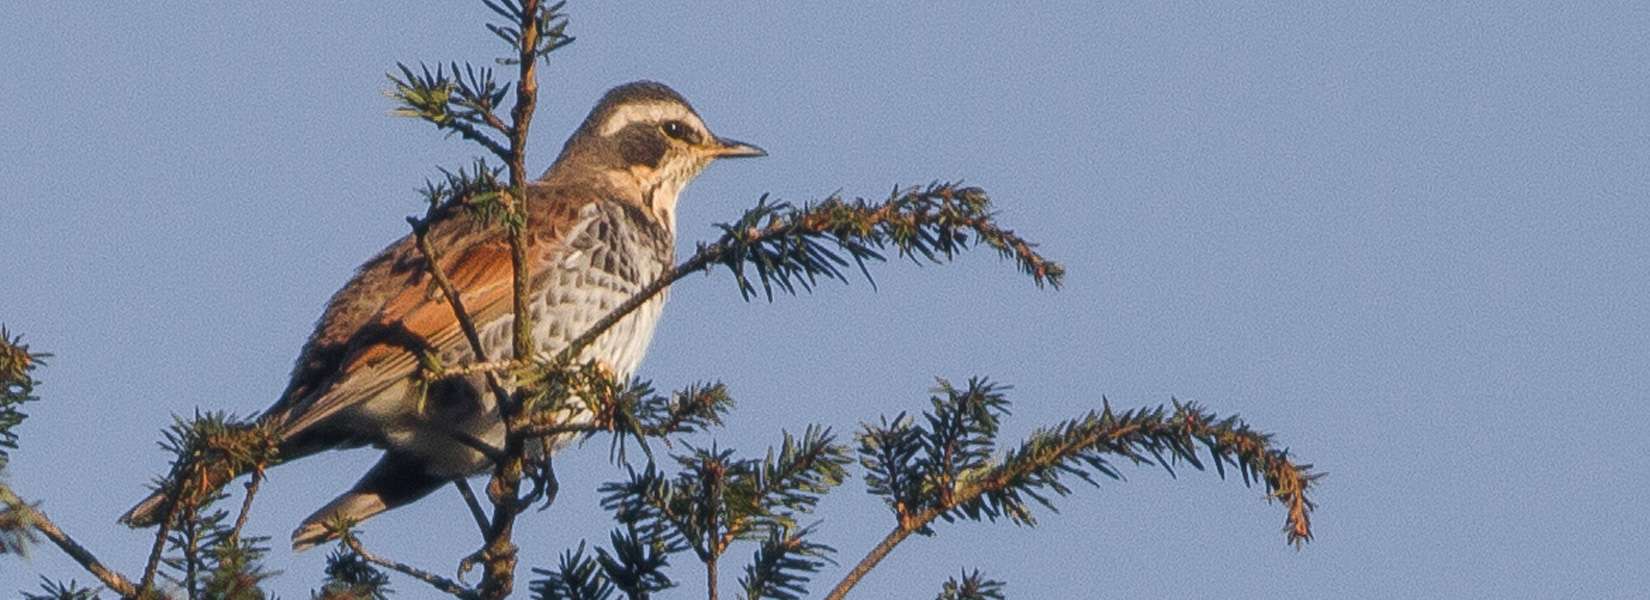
601	225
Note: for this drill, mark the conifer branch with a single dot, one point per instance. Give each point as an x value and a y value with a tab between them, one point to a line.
790	247
452	103
351	577
872	558
636	564
944	469
208	451
57	590
771	493
432	263
577	577
436	581
972	586
459	190
783	565
16	387
533	31
718	499
631	411
21	516
246	501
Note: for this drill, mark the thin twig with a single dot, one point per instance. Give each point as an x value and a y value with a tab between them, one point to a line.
495	366
547	430
474	504
493	453
432	259
710	578
116	582
498	575
869	562
494	122
246	503
436	581
714	492
693	264
191	531
469	132
153	564
527	90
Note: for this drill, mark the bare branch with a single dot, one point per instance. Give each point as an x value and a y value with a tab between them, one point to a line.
870	561
432	260
152	565
469	132
246	502
474	504
29	516
436	581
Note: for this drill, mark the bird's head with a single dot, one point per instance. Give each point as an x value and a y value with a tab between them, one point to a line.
644	138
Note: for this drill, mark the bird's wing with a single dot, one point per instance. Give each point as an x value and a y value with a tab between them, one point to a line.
416	318
415	321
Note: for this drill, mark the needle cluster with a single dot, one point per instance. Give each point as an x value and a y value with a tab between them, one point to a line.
789	247
17	365
972	586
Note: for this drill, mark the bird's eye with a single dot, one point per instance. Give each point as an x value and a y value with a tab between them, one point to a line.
678	130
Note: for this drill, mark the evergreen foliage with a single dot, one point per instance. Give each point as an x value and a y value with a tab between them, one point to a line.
972	586
350	577
944	463
17	383
57	590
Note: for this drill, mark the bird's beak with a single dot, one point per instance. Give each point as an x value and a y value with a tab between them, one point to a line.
726	148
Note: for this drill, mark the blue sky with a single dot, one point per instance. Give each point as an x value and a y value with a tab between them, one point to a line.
1408	238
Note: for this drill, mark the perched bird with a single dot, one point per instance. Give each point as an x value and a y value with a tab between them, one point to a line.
602	225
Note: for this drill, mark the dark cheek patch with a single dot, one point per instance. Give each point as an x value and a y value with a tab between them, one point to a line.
641	146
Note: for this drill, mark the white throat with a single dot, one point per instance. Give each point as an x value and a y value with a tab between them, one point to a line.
666	187
659	189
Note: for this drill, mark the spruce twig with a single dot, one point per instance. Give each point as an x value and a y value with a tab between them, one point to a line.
533	30
436	581
972	586
910	465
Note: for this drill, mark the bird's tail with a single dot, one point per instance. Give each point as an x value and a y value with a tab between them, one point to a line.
148	512
396	480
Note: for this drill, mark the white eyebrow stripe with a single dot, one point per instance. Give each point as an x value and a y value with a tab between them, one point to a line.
652	112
